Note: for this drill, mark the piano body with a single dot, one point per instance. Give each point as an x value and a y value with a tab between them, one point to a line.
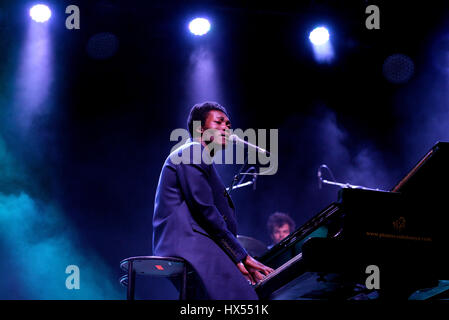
401	232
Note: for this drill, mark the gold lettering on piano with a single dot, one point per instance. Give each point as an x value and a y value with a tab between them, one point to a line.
395	236
399	224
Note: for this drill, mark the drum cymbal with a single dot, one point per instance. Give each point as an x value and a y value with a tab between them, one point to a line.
254	247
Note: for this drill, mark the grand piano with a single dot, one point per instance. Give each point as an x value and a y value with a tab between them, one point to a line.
401	232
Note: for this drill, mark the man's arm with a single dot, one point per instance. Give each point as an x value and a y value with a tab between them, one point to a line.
198	193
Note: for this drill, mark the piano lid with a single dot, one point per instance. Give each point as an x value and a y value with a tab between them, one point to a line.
430	171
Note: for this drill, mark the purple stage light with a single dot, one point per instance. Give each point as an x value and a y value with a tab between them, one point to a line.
199	26
40	13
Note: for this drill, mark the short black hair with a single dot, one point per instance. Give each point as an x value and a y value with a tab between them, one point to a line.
278	219
200	111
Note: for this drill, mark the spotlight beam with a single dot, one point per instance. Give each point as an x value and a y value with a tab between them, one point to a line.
321	45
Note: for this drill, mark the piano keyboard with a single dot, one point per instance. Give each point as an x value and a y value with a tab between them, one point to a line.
280	269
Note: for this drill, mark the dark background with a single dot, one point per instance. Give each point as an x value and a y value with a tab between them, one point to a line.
88	163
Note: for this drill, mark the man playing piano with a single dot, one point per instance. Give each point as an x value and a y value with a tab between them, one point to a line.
194	217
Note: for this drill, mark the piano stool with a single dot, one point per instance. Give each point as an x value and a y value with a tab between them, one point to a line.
156	266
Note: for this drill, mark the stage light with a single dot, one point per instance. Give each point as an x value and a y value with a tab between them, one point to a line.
102	45
398	68
199	26
321	45
40	13
319	36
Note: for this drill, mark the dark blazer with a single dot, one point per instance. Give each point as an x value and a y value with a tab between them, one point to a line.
194	218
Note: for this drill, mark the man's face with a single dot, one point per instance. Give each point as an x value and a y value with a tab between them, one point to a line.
218	126
280	232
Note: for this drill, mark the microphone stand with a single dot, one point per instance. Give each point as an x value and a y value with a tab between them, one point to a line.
240	173
232	187
241	185
347	185
342	185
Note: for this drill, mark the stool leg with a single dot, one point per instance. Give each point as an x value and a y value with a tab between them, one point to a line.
182	289
131	281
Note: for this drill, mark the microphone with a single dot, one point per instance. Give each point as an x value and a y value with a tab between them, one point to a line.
237	140
319	178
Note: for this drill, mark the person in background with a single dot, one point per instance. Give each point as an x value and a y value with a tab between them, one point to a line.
279	226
